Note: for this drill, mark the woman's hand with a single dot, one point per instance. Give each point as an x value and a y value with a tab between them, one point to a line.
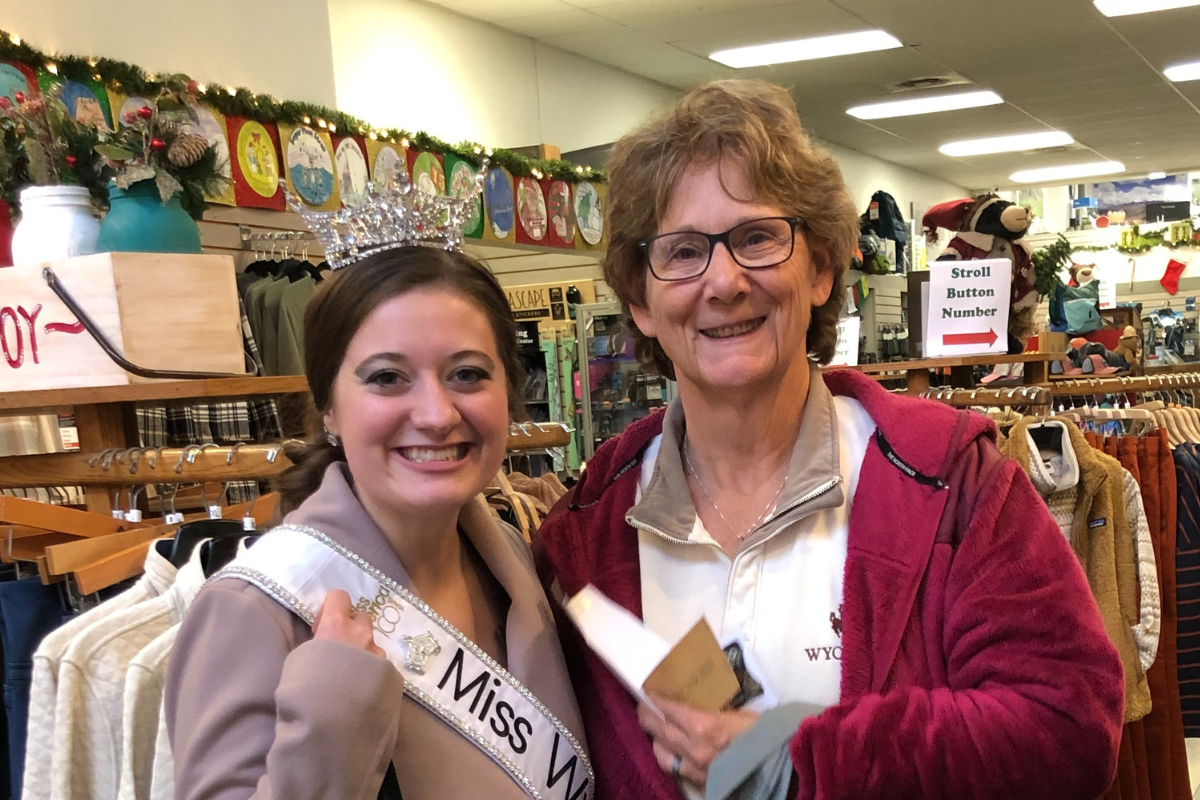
696	737
337	621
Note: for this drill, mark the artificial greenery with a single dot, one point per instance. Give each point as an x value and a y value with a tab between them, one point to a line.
14	166
1176	236
55	148
133	81
153	143
1048	263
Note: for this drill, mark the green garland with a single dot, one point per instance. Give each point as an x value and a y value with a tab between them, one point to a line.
1133	242
132	80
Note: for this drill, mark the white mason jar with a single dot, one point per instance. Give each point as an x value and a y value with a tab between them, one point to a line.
56	222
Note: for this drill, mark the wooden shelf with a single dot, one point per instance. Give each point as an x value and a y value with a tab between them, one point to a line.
916	373
959	361
159	391
1172	369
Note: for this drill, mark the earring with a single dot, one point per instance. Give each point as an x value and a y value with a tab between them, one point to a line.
333	440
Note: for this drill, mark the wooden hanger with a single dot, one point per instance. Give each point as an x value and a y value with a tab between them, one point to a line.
101	563
29	526
1186	424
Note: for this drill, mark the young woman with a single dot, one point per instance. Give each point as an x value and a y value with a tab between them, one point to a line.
391	637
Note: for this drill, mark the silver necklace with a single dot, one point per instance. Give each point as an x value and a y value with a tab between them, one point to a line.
687	462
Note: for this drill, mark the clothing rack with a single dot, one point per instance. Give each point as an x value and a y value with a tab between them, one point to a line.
525	436
1074	387
105	418
1011	396
139	465
260	241
202	463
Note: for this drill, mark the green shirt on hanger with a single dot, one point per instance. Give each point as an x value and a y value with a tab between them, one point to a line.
270	321
290	342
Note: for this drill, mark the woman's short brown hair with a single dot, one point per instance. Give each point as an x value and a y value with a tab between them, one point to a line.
756	124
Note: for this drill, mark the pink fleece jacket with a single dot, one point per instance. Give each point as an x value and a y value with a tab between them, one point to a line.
975	663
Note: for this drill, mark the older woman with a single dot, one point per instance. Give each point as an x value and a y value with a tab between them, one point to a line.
877	557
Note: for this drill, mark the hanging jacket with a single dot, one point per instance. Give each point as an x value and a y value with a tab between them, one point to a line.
975	663
889	224
1106	547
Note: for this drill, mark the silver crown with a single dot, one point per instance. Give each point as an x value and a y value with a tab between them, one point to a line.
391	214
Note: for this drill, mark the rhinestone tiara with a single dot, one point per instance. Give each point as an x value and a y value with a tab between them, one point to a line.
390	214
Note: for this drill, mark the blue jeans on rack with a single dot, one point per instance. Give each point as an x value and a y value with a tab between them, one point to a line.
28	611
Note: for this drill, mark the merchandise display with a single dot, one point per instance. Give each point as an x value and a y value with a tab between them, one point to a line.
677	449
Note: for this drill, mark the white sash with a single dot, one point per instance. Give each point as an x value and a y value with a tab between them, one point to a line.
443	669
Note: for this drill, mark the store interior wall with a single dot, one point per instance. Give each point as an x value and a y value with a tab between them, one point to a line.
281	47
407	64
914	192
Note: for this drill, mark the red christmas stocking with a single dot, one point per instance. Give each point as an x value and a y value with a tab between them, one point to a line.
1170	278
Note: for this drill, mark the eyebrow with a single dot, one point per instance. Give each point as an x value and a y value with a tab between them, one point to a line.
400	358
740	221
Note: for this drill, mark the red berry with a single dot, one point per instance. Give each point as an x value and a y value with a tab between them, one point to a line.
193	87
71	161
145	112
157	144
5	103
19	97
130	117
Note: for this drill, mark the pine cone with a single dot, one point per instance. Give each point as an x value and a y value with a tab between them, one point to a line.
187	149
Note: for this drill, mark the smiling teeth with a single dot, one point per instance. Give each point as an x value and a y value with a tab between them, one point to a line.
732	330
421	455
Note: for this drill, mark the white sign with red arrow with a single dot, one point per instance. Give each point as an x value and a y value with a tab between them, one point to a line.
968	307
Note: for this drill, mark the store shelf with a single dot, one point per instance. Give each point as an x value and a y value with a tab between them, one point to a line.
959	361
611	359
916	373
160	391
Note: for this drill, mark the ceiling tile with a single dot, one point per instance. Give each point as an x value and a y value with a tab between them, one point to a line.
1057	63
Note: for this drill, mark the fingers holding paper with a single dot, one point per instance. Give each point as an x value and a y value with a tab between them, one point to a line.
697	737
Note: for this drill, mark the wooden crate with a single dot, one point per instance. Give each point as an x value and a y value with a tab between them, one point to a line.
162	311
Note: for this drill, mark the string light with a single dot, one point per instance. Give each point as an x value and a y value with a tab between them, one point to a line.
306	120
51	67
232	91
92	62
15	39
489	152
404	143
373	136
322	124
332	128
201	88
478	150
579	170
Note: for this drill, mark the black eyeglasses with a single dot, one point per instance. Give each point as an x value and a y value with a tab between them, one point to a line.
753	244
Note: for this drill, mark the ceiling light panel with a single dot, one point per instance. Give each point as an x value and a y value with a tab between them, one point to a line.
1007	144
1124	8
931	104
842	44
1183	72
1068	172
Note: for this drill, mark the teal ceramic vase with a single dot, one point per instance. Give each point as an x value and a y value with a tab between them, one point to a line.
139	222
